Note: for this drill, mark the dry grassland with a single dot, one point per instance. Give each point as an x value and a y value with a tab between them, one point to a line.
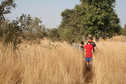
60	63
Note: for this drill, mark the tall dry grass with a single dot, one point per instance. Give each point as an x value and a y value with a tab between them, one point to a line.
60	63
109	64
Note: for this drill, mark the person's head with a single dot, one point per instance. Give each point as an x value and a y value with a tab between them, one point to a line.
89	40
82	42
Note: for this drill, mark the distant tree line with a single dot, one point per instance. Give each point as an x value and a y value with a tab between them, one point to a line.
24	27
91	17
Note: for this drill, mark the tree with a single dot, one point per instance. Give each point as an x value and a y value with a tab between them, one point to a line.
91	17
100	18
70	28
25	27
5	8
32	28
13	34
53	34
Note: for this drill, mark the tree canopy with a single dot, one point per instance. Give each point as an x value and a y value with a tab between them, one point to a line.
5	7
91	17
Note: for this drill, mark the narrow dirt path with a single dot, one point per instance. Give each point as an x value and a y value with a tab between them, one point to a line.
87	74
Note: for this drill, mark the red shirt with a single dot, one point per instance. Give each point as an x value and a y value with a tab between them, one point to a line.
89	49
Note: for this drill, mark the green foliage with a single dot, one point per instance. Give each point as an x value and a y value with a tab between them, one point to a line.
3	27
11	33
70	28
32	27
25	27
91	17
124	30
53	34
5	8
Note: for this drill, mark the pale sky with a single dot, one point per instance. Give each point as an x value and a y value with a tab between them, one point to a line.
49	10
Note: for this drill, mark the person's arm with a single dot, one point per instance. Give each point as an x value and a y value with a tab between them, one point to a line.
92	49
96	48
85	48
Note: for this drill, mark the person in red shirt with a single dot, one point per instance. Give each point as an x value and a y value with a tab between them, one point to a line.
89	49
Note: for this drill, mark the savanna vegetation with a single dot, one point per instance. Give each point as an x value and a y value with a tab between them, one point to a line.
30	53
94	17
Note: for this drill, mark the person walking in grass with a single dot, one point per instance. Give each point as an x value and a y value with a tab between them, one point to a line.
93	44
89	49
82	45
76	46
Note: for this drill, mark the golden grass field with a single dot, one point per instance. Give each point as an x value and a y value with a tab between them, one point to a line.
60	63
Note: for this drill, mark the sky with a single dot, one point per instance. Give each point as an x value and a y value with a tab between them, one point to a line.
49	11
